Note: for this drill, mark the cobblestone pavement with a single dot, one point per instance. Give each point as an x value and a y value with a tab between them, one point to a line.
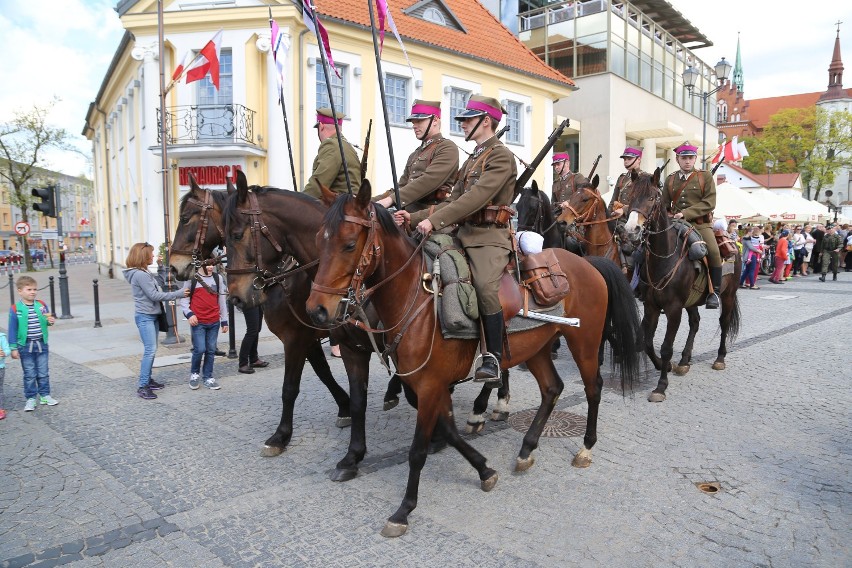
107	479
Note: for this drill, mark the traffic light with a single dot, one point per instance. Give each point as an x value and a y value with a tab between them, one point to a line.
47	207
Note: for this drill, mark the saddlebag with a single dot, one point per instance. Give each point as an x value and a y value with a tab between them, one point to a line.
542	275
727	247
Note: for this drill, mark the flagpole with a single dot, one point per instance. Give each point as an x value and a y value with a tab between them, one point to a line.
171	335
283	106
384	104
330	96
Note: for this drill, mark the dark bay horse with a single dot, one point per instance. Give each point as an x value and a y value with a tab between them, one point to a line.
535	213
587	210
670	278
364	255
200	230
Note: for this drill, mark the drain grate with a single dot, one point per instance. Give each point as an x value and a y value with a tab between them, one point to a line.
709	487
559	425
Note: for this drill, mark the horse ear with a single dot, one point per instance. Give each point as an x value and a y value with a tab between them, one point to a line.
535	186
230	186
242	187
596	181
634	175
193	185
327	196
657	174
364	194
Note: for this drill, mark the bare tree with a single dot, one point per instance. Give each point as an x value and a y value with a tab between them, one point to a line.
23	143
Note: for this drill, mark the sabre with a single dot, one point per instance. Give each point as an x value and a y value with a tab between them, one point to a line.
573	322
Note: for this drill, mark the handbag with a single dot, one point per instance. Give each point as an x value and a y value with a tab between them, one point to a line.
162	320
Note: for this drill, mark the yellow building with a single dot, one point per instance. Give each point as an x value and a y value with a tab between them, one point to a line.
456	48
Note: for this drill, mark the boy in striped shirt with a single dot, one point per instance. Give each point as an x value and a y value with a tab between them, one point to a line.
28	322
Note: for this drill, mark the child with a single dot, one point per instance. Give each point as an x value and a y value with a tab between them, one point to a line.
4	351
204	308
28	322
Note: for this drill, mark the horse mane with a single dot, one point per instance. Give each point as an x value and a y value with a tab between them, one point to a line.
219	196
230	208
334	216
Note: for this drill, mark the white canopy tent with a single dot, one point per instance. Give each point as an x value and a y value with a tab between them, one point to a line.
735	204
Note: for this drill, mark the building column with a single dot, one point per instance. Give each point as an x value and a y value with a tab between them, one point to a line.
649	154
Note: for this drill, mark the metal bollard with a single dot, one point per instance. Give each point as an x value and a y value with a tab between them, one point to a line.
232	333
52	294
97	304
12	289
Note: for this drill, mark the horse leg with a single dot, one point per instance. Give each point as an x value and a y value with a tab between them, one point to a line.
357	364
500	412
666	350
649	328
392	392
726	320
550	386
682	367
316	357
476	420
593	385
295	351
447	427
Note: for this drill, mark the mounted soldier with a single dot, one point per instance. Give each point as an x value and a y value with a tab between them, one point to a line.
432	168
621	196
479	204
564	180
328	165
690	194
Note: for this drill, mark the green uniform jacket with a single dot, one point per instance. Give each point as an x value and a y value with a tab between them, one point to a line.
564	186
693	201
623	191
328	168
486	178
830	243
433	165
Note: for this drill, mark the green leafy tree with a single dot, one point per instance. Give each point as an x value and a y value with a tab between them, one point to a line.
24	140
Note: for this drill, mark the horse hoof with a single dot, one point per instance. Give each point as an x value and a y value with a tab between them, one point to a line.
393	530
582	459
474	428
488	484
343	421
271	451
344	474
680	370
719	366
391	403
523	464
656	397
499	416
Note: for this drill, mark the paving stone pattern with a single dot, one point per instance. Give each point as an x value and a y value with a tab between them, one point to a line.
107	479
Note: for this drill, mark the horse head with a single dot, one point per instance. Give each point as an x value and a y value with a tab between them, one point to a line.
646	201
199	230
531	208
349	244
583	203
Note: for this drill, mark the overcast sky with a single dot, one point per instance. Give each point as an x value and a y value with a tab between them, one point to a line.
48	50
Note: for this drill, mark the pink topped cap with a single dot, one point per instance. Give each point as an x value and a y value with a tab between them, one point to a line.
560	157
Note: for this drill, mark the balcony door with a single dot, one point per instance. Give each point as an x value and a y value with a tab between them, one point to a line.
215	118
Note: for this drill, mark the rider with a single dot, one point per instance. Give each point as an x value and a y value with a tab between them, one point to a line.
432	168
690	194
328	166
479	204
564	181
621	196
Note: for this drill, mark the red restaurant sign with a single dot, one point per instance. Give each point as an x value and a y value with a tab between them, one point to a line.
208	175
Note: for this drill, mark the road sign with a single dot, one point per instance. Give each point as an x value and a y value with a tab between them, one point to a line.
49	234
22	228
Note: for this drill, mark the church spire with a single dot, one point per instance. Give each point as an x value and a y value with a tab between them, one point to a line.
738	68
835	72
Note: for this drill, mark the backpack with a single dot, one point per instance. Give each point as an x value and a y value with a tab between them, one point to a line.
195	282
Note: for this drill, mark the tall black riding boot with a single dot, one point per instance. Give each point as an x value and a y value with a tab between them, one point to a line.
716	278
822	277
489	371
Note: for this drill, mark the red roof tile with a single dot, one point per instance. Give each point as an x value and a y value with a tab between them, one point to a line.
486	38
760	110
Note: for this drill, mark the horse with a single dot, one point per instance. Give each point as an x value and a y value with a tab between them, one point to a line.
535	213
364	255
586	209
199	231
670	279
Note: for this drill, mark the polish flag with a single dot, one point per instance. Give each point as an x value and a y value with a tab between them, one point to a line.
207	62
731	151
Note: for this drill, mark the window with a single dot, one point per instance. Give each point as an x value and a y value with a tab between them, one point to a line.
396	95
215	112
434	15
338	88
131	127
722	111
515	135
458	100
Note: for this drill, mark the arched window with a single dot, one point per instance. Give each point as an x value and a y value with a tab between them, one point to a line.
722	111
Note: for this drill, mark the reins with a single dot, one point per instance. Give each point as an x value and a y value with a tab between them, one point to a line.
201	233
666	279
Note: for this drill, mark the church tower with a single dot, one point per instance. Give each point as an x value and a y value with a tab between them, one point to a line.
738	69
835	75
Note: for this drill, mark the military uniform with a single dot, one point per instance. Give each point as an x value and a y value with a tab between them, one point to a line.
564	186
623	191
328	166
830	243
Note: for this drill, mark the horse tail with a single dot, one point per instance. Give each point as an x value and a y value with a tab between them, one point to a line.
623	327
736	319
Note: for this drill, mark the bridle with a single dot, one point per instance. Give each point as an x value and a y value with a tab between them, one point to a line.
201	233
538	218
286	267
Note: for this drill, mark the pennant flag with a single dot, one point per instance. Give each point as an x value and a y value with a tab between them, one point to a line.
206	62
742	150
308	15
730	151
384	14
279	47
180	68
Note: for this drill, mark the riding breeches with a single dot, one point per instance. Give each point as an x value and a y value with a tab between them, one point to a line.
487	264
713	255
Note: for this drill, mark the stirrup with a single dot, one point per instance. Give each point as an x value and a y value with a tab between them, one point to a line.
478	377
712	302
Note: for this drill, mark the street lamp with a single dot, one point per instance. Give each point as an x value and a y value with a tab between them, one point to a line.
769	165
690	77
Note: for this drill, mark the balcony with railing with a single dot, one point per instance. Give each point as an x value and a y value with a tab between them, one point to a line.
197	130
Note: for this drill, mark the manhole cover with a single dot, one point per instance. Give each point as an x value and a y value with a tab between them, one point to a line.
559	425
709	487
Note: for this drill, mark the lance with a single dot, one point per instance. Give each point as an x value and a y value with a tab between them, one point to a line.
284	111
384	104
594	167
366	151
313	11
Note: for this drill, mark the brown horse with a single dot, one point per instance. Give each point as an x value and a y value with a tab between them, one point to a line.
672	285
364	255
200	230
586	210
